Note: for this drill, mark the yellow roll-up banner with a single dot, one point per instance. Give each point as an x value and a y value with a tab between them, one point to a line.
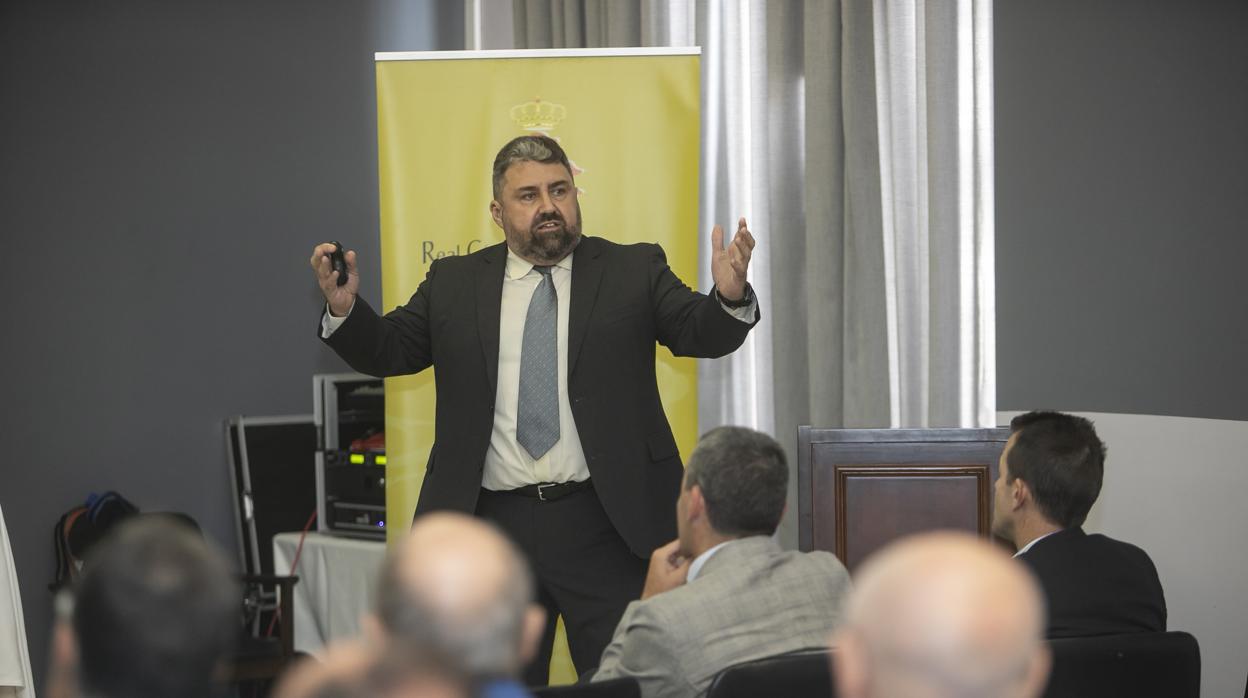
628	120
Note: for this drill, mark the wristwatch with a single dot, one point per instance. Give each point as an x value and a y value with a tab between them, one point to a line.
746	299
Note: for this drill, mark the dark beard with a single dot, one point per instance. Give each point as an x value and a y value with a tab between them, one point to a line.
545	248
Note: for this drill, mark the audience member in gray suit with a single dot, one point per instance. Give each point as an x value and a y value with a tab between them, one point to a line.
724	592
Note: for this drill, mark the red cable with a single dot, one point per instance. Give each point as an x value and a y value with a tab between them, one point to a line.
294	564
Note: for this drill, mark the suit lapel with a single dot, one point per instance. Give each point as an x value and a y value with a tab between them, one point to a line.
586	275
489	283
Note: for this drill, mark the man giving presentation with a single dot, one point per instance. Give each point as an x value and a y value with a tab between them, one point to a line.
548	419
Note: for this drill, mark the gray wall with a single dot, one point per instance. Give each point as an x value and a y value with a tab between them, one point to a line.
1121	205
165	169
1121	194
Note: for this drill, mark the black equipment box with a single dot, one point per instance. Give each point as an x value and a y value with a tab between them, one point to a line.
349	410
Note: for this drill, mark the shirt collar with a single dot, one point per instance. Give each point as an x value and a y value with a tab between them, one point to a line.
695	567
1027	547
518	268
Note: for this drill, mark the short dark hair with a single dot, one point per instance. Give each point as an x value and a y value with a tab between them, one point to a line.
1062	460
531	148
744	479
156	612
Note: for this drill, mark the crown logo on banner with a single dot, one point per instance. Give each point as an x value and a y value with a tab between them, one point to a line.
538	115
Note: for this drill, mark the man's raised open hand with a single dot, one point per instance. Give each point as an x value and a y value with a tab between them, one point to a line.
728	266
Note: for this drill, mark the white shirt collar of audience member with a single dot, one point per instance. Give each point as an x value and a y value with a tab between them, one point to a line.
695	567
1027	547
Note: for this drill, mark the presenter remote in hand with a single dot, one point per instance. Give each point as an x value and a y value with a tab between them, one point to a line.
549	421
339	297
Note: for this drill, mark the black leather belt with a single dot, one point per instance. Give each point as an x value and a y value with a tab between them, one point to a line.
549	492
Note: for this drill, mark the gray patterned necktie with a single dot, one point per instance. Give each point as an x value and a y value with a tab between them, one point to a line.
537	414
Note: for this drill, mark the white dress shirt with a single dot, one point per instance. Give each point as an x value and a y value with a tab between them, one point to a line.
1027	547
507	464
695	567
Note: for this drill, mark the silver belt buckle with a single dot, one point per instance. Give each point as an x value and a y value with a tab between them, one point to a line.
540	495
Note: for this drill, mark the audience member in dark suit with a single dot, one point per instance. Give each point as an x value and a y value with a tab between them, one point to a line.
941	615
1051	471
155	614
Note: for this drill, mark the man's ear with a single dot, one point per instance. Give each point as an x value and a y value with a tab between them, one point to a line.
373	631
62	676
849	664
496	212
1020	493
697	503
64	644
1037	671
531	633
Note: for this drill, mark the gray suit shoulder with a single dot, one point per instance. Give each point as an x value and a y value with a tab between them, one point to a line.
819	569
820	565
824	559
756	600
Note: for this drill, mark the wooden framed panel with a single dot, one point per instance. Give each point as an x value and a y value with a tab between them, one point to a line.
859	489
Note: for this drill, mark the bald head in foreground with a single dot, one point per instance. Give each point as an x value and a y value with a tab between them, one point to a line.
942	615
455	594
456	584
358	670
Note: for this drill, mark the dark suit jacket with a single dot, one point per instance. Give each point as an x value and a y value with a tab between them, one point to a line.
1096	585
624	299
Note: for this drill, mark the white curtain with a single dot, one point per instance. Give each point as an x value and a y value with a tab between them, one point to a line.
16	679
856	138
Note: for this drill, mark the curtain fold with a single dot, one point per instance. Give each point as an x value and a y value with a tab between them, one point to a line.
856	138
576	23
738	124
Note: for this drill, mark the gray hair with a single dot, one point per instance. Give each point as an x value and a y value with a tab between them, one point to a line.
744	479
533	148
485	640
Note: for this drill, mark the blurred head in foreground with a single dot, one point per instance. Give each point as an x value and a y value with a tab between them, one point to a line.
356	669
458	586
155	613
942	615
454	609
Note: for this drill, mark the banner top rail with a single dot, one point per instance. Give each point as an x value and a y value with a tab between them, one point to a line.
537	53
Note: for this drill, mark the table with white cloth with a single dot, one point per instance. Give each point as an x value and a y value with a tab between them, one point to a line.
15	677
337	585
